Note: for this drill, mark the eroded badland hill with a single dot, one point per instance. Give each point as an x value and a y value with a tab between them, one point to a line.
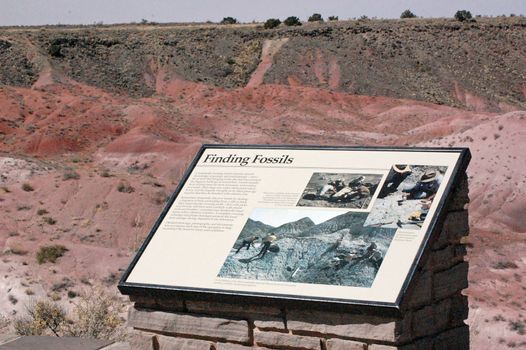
97	125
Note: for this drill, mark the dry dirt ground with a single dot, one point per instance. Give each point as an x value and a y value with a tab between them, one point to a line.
101	123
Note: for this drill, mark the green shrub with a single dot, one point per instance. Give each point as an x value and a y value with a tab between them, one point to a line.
55	50
49	220
407	14
42	212
42	317
27	187
70	174
50	253
292	21
125	187
105	173
315	17
332	18
272	23
463	15
228	20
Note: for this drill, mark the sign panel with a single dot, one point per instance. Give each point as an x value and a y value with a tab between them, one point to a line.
283	223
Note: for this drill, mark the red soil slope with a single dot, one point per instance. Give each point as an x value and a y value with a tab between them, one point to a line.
60	128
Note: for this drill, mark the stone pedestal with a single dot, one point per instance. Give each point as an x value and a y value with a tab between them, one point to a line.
433	311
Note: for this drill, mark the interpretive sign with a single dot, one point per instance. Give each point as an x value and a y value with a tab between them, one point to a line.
333	225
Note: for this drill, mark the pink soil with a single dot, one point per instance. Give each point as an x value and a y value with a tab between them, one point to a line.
149	142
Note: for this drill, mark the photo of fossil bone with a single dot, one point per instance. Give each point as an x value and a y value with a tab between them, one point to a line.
340	190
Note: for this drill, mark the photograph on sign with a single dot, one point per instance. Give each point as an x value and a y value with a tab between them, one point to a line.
406	196
340	190
337	225
321	247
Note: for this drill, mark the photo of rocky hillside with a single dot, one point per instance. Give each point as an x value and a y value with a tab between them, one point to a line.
337	251
406	196
337	190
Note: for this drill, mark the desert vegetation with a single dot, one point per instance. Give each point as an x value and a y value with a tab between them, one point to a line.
271	23
463	15
407	14
315	17
27	187
70	174
292	21
94	315
50	253
228	20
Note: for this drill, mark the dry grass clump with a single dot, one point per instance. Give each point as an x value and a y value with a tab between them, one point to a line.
94	316
50	253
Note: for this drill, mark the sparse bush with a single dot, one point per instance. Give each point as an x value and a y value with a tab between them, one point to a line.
502	265
272	23
42	317
463	15
105	173
70	174
228	20
125	187
518	326
407	14
95	317
55	50
27	187
42	212
50	253
111	279
292	21
4	321
72	294
62	285
332	18
49	220
29	291
315	17
12	299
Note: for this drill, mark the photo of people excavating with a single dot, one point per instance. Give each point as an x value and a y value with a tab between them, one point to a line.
308	246
406	196
335	190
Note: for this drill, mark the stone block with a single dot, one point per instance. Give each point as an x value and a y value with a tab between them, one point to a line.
420	344
459	310
449	282
420	291
139	340
456	226
340	344
445	258
431	319
216	308
184	324
286	340
170	343
269	323
230	346
381	347
453	339
171	304
387	329
459	195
